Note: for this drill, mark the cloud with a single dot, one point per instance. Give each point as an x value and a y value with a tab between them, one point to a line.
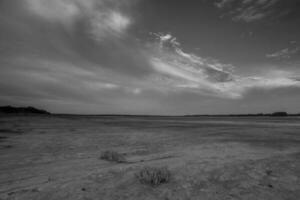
223	3
104	16
283	54
179	70
249	15
112	22
83	53
62	80
248	10
64	11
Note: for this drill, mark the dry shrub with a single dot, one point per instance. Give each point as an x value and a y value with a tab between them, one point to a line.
154	175
112	156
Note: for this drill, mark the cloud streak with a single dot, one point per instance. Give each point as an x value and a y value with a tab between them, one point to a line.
248	10
105	24
186	71
283	53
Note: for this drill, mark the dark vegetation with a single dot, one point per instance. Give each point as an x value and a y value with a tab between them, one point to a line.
154	176
274	114
112	156
22	110
279	114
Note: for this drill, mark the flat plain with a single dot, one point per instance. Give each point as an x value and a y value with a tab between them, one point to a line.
58	157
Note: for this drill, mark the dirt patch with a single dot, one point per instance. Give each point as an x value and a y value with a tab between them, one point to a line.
209	159
3	138
10	131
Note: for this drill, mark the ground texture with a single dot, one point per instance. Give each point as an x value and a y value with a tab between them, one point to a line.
58	157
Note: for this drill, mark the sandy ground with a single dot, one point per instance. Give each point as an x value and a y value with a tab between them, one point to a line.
57	157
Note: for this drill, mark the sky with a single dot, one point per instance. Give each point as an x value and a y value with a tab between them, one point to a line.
152	57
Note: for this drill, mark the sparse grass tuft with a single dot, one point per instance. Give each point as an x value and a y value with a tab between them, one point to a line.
112	156
154	175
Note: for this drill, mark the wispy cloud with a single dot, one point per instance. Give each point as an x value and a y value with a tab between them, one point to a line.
283	53
248	10
104	16
112	22
223	3
186	71
55	10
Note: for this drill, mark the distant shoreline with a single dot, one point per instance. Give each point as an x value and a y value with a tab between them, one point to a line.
225	115
24	111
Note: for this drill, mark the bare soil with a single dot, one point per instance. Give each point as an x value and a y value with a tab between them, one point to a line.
58	157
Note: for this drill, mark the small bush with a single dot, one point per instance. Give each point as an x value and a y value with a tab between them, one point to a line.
154	176
112	156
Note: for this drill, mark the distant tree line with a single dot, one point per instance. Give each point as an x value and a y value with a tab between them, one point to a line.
274	114
21	110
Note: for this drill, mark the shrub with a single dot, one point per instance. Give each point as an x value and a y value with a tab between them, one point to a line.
279	114
153	175
112	156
